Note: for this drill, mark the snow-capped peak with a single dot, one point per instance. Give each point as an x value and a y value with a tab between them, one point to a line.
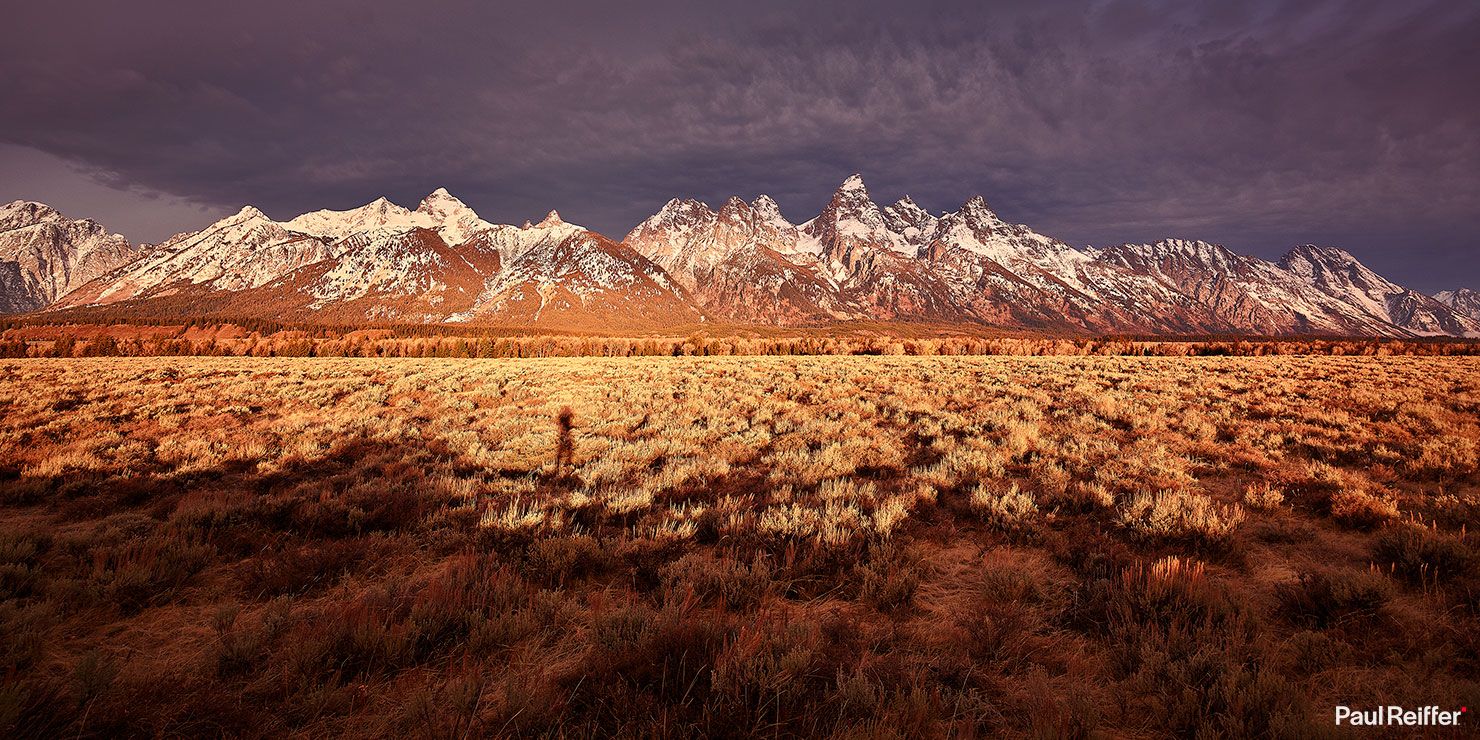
440	211
377	214
1462	301
22	213
767	209
455	221
1331	268
906	213
440	203
249	212
552	219
736	209
906	218
853	217
976	210
906	203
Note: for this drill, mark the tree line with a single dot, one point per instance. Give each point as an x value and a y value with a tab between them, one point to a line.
326	344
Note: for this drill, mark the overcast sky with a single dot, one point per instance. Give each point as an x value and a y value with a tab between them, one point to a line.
1259	125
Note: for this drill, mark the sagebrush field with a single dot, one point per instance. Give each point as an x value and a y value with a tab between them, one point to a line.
1219	547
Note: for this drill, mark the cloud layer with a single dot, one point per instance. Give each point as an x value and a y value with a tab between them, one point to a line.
1257	124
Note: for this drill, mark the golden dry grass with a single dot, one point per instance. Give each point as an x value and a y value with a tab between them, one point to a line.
847	546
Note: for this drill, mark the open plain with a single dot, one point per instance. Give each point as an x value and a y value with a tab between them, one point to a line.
734	546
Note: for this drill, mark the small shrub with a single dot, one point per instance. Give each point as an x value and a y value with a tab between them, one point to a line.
306	568
20	548
999	635
1003	582
1172	594
1362	510
1314	651
1262	496
1284	531
23	634
738	585
556	559
92	676
17	580
1419	554
889	579
1181	516
1009	510
1323	598
1172	590
138	575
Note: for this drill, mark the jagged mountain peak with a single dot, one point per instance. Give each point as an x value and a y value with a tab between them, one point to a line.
440	202
45	255
735	209
1187	246
906	217
452	218
851	197
769	213
1331	266
378	213
853	217
976	209
1462	301
908	204
683	207
1308	258
22	213
249	212
1342	276
1204	255
552	219
1448	296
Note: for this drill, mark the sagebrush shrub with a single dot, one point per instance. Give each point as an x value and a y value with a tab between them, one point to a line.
1180	516
1361	509
1417	553
1326	597
1263	496
1009	509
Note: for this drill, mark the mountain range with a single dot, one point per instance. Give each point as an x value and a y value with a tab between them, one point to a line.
743	263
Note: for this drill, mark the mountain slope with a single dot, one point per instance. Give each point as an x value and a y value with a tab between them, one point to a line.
45	255
992	261
242	251
578	279
1340	275
1463	301
873	266
1246	294
733	261
410	276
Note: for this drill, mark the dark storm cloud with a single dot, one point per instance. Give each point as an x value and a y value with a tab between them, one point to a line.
1252	123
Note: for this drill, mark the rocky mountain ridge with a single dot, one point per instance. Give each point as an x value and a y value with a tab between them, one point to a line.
742	263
